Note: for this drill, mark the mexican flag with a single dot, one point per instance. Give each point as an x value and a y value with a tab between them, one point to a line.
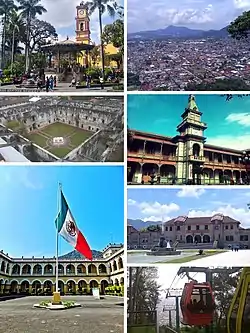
67	228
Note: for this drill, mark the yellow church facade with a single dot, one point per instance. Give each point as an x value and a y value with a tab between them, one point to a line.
83	36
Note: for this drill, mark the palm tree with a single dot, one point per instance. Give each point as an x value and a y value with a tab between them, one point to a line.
29	10
95	55
15	27
102	6
6	7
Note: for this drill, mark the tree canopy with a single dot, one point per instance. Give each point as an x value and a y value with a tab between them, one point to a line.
240	27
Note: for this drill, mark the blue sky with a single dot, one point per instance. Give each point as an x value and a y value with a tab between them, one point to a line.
198	14
228	121
28	197
61	14
157	204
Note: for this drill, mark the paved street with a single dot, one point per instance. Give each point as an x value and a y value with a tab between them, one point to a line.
95	316
229	258
62	87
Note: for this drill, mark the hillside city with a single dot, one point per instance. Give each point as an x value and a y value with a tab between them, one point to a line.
188	64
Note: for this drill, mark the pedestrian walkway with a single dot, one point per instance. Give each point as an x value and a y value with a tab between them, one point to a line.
229	258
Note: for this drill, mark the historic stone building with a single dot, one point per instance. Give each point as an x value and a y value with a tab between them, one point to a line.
185	158
17	275
101	117
212	231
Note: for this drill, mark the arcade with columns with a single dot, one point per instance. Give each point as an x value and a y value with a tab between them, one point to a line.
184	158
76	276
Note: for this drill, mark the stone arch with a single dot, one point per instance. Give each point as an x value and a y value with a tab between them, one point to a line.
61	286
122	281
102	269
36	284
110	267
114	265
48	286
26	269
37	269
16	269
206	239
60	269
120	263
70	269
71	286
196	150
93	284
189	239
104	285
7	268
14	287
3	266
197	238
92	269
116	282
48	269
82	286
24	286
81	269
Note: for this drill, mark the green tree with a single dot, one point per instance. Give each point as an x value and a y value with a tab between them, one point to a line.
224	286
15	29
240	27
6	8
102	6
114	34
40	33
95	55
143	291
29	10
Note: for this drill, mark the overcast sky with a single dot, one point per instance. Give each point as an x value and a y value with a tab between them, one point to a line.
61	14
201	14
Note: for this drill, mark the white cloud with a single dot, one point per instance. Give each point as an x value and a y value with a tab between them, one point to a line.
157	209
131	202
154	211
156	218
240	118
241	4
61	14
190	191
240	214
231	141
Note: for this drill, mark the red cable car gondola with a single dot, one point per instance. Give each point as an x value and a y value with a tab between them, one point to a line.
197	304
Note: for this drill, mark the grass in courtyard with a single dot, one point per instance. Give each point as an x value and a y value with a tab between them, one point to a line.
59	129
75	136
38	139
182	260
59	151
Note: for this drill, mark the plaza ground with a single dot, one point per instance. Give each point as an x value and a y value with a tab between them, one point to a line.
61	87
73	137
186	256
95	316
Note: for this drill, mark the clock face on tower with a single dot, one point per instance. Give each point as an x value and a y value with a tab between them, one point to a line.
82	12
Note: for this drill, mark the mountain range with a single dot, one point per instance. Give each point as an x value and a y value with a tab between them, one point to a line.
76	255
178	32
139	224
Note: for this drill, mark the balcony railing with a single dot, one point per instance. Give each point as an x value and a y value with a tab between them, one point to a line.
156	156
197	158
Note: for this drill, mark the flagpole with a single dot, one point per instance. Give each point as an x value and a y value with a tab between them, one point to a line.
58	209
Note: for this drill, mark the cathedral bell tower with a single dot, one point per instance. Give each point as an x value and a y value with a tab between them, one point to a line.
82	24
190	144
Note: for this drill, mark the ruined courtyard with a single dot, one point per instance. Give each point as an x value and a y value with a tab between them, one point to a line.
58	129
